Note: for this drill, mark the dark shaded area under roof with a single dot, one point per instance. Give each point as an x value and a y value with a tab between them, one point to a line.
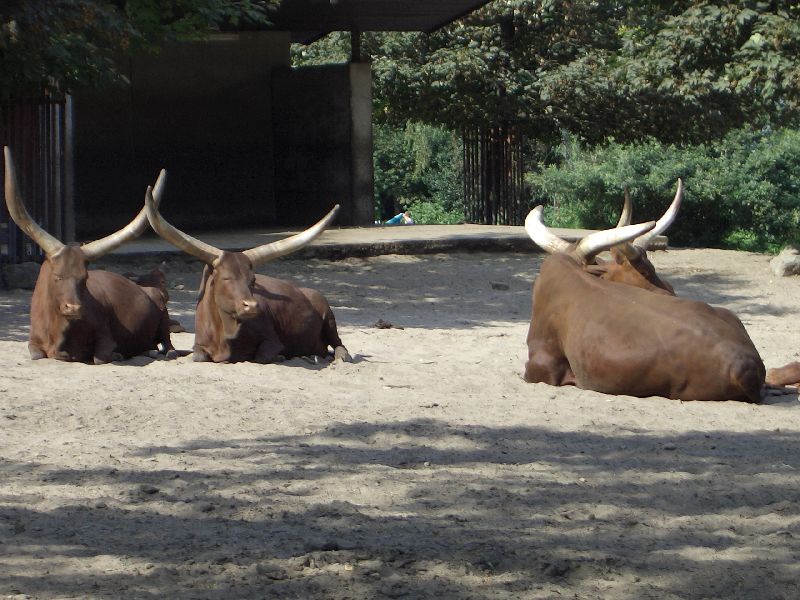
309	20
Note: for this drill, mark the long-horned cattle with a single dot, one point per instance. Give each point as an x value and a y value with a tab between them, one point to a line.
245	316
630	265
625	339
155	281
86	315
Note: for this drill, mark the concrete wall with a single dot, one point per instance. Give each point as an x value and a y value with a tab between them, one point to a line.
201	110
323	129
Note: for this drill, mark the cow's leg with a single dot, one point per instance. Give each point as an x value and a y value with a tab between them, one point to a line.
548	367
269	351
341	353
104	345
330	333
36	352
786	375
330	337
163	337
200	355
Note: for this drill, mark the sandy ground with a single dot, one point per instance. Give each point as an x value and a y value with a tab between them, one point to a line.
425	469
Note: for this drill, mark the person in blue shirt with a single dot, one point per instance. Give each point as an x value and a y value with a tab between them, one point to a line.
403	218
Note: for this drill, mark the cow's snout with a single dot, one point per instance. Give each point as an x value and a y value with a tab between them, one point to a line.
71	310
247	310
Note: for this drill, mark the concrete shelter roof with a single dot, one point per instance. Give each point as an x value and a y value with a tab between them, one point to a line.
309	20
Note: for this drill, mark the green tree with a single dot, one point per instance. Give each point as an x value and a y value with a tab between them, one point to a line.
418	168
678	71
52	46
699	69
498	65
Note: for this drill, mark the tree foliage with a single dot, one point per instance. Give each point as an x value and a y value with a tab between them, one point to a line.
418	168
702	68
500	64
684	71
55	45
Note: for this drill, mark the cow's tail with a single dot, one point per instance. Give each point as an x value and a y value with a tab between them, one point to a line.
747	374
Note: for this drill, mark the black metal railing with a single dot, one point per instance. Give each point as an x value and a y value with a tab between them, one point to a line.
493	175
38	131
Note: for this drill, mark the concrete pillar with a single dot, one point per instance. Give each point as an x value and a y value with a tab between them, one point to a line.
322	123
361	136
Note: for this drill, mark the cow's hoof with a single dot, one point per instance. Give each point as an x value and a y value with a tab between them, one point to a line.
778	390
172	353
200	356
37	355
115	357
341	353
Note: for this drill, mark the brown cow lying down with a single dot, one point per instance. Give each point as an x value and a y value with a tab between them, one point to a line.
631	266
82	315
244	316
157	279
622	339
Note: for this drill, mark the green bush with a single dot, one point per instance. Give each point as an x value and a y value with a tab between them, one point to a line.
741	192
418	168
433	213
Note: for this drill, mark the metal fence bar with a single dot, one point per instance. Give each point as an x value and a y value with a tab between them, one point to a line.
37	132
493	175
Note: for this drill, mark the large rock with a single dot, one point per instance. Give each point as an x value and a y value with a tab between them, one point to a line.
787	262
22	276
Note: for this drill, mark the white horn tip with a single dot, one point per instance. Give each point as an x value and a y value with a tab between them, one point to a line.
535	216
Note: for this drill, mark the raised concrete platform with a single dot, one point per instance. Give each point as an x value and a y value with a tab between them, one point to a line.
345	242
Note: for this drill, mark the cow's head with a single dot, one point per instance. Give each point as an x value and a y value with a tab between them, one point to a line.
629	264
231	279
66	270
157	278
586	250
230	276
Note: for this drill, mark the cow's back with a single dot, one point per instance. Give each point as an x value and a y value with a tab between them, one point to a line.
134	316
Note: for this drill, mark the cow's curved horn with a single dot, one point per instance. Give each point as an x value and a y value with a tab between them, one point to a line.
19	213
96	249
627	210
664	222
595	243
541	235
205	252
291	244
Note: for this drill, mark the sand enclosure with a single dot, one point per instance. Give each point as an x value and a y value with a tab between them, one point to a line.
425	469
